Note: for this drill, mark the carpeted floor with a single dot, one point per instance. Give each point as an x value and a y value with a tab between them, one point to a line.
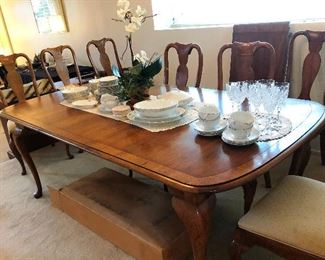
32	229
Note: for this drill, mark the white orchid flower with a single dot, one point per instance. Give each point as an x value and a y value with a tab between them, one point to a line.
142	57
123	4
140	11
136	20
131	27
121	13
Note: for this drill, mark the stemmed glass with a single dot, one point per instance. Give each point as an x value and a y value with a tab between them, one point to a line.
236	92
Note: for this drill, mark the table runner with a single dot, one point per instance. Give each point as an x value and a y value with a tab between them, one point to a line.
189	116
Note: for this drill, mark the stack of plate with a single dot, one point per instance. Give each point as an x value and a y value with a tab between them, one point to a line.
158	111
108	85
72	93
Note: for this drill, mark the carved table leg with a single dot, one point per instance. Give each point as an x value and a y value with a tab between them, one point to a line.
300	160
20	144
12	146
195	211
249	192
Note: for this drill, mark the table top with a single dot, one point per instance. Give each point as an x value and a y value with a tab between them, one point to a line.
179	158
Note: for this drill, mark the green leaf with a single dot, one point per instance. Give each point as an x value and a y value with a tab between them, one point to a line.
153	69
136	70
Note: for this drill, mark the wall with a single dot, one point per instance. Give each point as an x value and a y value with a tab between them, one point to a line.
91	19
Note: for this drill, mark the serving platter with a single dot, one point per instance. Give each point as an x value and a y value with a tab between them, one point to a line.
135	117
84	103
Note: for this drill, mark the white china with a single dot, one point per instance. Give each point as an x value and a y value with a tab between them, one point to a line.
109	101
134	116
183	98
121	110
104	109
216	130
208	116
84	103
156	108
72	93
93	84
241	123
108	80
229	138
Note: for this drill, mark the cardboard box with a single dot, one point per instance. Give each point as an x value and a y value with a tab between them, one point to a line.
136	217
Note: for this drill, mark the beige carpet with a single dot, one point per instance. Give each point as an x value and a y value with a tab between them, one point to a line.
32	229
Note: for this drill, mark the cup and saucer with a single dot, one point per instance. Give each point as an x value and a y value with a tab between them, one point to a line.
240	130
209	123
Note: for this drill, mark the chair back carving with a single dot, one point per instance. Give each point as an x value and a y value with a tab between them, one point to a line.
13	78
183	52
60	66
103	57
242	58
311	63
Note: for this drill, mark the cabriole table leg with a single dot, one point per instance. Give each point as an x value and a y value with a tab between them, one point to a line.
18	136
195	211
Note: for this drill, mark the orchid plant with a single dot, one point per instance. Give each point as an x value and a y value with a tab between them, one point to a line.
132	21
135	81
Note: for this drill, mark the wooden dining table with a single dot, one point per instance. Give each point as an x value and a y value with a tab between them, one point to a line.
193	167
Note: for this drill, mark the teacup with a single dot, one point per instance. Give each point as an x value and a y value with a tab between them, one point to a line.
108	101
209	116
240	124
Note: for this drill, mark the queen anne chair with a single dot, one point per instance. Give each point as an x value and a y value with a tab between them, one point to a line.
310	70
242	59
62	71
183	52
103	56
289	220
21	140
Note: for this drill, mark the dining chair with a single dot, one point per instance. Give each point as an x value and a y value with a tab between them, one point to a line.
19	92
242	60
310	71
183	53
62	71
60	65
103	56
289	221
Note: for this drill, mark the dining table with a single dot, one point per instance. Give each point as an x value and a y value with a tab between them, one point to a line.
193	167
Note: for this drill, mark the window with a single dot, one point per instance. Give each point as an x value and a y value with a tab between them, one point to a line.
194	13
49	16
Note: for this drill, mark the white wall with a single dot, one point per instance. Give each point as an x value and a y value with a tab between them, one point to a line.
91	19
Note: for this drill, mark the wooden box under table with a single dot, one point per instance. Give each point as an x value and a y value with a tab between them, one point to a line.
136	217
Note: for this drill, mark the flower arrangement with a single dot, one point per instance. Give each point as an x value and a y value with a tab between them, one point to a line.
135	81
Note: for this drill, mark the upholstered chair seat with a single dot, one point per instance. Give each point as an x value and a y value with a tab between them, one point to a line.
293	214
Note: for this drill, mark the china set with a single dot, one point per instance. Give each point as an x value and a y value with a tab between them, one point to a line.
238	130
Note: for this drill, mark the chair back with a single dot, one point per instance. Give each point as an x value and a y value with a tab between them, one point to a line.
12	77
103	56
183	52
242	58
60	66
311	63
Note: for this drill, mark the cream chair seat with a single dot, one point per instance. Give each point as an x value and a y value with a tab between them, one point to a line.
292	214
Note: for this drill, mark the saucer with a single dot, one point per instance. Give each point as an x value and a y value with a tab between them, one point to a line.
210	132
84	103
229	138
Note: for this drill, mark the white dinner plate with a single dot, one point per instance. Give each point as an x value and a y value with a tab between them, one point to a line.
133	116
84	103
229	138
216	130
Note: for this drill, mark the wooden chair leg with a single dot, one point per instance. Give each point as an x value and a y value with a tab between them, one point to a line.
322	147
67	149
249	193
130	173
18	137
237	246
267	180
300	160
